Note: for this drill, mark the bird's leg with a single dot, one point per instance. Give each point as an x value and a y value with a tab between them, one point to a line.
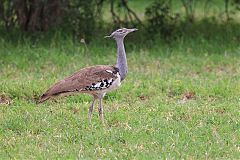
100	109
91	110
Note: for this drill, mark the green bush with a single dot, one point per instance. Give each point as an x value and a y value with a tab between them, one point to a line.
160	18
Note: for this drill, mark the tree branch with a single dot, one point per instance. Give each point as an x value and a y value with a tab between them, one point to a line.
131	12
22	13
116	19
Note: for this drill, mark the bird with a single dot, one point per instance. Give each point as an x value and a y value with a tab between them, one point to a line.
95	80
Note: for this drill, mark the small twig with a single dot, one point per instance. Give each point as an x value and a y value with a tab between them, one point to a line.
116	18
84	42
124	3
226	9
99	6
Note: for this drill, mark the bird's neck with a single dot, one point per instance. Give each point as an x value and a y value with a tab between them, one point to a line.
121	59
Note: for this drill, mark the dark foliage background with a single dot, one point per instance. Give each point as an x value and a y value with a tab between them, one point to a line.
83	19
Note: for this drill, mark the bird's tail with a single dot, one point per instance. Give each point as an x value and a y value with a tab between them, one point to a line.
43	98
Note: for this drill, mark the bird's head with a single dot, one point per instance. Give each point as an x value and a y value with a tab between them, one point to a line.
121	33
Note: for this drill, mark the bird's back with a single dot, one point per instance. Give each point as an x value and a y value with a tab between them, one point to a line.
91	80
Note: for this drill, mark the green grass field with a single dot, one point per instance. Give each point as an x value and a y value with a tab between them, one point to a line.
180	100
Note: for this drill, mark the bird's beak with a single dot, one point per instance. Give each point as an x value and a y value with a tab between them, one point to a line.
132	30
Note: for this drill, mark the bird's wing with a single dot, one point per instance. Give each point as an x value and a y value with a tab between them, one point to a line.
83	80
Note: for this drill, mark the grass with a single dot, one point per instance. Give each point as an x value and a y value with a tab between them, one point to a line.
180	99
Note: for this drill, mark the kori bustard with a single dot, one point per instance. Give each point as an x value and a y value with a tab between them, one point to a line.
95	80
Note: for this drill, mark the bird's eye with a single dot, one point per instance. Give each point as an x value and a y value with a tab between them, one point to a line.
120	30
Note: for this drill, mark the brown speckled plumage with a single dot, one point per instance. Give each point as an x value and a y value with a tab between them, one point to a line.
81	80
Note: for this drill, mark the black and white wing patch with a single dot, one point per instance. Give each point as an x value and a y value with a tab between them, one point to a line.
104	83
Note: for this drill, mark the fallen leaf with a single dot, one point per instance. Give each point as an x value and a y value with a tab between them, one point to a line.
171	94
4	99
143	97
220	110
75	110
208	68
35	97
186	96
